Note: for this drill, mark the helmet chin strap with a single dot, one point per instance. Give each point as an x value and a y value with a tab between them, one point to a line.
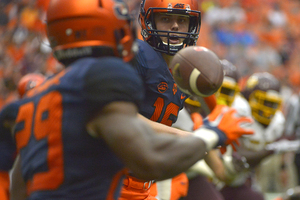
170	48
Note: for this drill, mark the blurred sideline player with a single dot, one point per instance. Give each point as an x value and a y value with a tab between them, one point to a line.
17	187
229	94
262	93
77	131
167	27
189	119
215	166
229	91
292	128
26	83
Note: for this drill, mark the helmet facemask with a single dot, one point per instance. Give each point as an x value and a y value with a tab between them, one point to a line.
264	105
227	91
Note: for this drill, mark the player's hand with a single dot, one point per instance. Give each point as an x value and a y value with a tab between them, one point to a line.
284	145
227	124
234	165
239	162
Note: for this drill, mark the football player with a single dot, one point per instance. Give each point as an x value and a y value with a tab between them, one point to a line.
262	93
215	167
189	119
18	186
230	88
77	131
26	83
166	27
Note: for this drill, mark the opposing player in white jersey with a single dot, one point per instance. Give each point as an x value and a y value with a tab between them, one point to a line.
229	93
189	119
262	101
215	166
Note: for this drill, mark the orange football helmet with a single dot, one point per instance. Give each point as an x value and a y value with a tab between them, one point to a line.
29	81
90	28
180	7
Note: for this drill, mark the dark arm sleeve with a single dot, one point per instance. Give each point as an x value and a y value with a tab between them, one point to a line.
7	144
112	80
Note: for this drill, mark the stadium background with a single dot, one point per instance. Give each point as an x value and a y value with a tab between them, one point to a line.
255	35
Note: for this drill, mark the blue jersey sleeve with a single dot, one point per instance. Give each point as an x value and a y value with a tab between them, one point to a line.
110	79
148	62
7	144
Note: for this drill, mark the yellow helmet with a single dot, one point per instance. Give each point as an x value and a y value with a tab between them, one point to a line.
263	93
229	88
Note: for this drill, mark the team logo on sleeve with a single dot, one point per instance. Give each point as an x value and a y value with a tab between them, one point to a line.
162	87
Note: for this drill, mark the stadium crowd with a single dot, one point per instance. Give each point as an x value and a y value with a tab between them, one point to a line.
255	35
23	46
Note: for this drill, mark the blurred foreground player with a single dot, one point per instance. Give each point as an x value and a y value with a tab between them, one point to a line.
18	186
263	103
77	131
26	83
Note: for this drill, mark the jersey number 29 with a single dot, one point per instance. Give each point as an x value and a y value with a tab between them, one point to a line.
42	120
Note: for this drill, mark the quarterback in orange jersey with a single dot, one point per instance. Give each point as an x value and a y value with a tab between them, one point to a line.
166	27
77	133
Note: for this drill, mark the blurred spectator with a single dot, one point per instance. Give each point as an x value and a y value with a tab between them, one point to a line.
276	16
229	12
24	47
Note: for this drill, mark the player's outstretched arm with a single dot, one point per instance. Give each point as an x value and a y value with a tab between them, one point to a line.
254	157
147	154
161	128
